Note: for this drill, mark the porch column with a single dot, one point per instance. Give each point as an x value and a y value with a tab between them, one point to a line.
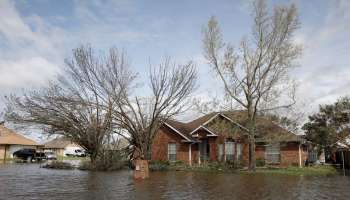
300	163
6	152
190	154
199	157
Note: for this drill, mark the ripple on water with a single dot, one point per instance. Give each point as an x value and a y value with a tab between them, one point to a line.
28	181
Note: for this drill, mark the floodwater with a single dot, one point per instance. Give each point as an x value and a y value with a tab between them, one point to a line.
29	181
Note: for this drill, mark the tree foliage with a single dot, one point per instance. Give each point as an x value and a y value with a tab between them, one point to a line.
330	125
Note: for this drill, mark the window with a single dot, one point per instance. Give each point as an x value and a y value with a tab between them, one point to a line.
229	150
172	151
239	151
220	152
272	154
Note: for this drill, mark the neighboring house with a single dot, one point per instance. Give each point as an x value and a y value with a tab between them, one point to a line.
11	142
61	146
221	137
342	154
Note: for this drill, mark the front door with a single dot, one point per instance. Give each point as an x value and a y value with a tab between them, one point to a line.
204	150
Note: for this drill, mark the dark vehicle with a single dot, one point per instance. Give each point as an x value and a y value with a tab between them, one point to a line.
29	155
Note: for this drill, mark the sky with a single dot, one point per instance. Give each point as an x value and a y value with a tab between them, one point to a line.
36	36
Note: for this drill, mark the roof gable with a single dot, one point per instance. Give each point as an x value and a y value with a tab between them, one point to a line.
266	129
8	136
176	130
58	143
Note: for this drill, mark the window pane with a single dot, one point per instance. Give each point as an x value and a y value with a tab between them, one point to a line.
273	153
229	150
172	151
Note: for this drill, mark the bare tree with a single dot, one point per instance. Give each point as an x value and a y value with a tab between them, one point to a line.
81	103
256	75
142	116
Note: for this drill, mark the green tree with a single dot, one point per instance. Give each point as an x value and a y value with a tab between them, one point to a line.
330	125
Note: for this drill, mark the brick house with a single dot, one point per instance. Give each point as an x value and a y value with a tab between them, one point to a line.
220	137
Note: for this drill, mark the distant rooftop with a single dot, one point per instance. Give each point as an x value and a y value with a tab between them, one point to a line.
8	136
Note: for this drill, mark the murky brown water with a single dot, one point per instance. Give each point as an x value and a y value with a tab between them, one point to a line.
28	181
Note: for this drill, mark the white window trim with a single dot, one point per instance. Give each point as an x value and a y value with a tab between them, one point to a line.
172	154
273	153
233	150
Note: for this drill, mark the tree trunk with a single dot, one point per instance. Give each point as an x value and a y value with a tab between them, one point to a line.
251	137
252	160
93	158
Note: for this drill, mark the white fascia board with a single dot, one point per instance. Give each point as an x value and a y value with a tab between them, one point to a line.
205	123
213	134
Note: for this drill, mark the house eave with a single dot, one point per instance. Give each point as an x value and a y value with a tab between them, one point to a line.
178	132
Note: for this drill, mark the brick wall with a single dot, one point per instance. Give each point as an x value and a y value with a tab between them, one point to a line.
160	146
289	151
213	149
260	152
290	154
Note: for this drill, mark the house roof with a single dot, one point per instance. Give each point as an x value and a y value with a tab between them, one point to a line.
57	143
266	129
8	136
180	128
344	141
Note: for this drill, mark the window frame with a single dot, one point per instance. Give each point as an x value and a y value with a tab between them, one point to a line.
269	155
172	156
232	153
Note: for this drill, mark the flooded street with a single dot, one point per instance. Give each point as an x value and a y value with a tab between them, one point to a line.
28	181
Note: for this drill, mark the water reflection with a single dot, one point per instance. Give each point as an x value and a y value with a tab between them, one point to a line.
28	181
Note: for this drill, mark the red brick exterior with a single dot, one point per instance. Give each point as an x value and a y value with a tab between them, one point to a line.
160	145
289	154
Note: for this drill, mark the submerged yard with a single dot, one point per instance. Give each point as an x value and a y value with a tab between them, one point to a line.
29	181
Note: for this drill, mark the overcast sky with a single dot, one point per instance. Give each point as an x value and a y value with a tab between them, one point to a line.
36	36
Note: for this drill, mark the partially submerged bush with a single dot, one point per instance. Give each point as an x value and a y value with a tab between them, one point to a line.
106	161
297	171
58	165
158	165
260	162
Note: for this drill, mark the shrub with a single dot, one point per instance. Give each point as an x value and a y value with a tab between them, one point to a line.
158	165
260	162
58	165
106	161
